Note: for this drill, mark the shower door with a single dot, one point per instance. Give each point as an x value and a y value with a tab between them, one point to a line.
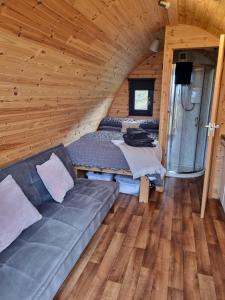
190	108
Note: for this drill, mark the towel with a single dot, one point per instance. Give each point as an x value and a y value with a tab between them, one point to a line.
142	161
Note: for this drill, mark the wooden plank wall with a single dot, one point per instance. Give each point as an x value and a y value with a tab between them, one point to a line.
43	100
61	62
207	14
149	68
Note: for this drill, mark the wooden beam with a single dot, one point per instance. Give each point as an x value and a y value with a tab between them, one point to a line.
102	170
144	189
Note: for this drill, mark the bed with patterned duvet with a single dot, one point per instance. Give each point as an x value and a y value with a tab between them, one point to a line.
96	149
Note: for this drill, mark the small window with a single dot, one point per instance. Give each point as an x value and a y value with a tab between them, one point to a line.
141	93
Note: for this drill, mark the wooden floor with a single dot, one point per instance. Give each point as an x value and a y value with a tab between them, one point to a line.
161	250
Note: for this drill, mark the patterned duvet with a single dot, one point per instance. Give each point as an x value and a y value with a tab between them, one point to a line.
96	150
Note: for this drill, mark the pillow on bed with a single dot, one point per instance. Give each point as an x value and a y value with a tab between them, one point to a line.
55	177
110	128
152	124
126	125
110	121
16	212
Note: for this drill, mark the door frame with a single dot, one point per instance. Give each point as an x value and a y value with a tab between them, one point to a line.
177	38
213	120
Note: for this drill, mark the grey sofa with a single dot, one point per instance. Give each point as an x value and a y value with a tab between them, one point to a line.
35	265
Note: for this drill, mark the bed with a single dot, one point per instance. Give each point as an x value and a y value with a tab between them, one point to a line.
95	151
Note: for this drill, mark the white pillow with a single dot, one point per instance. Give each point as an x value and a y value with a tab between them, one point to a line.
55	177
16	212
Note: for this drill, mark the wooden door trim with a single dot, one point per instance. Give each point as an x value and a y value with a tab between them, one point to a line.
213	118
178	37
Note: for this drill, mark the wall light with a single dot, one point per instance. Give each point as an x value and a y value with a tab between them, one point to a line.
155	45
164	4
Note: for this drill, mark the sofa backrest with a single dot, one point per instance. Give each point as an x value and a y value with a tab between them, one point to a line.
25	174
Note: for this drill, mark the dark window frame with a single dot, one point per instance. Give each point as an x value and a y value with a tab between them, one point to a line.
141	84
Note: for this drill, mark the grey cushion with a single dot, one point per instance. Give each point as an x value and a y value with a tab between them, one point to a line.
25	174
35	265
38	261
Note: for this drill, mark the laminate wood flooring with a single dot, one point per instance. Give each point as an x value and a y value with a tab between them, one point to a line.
161	250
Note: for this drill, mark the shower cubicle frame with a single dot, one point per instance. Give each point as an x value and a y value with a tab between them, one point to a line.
190	37
194	173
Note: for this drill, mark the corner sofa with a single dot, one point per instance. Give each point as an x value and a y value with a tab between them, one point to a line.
35	265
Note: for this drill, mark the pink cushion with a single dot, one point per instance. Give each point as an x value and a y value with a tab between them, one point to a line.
16	212
55	177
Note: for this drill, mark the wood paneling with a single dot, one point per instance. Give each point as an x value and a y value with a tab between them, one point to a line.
211	142
143	251
149	68
178	37
61	62
218	154
207	14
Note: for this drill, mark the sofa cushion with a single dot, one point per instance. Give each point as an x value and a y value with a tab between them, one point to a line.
82	201
25	174
35	265
16	212
55	177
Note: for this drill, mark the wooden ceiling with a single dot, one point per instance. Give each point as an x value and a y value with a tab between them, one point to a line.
98	31
207	14
62	61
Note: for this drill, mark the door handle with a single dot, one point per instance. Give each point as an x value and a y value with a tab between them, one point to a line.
211	128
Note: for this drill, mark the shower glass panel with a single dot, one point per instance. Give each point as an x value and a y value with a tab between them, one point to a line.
190	110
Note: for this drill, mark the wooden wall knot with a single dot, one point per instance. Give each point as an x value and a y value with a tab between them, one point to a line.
15	91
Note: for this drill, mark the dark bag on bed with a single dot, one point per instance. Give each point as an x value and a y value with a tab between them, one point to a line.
136	133
144	142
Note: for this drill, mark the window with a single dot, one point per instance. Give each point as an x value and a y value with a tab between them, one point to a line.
141	93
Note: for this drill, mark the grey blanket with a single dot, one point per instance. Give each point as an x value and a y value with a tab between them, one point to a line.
96	150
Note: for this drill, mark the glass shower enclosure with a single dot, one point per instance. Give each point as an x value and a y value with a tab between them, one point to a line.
189	113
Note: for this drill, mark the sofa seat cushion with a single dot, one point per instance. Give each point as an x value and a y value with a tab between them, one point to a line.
32	258
40	254
81	203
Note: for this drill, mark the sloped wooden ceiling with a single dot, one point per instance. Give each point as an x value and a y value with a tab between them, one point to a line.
207	14
61	63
